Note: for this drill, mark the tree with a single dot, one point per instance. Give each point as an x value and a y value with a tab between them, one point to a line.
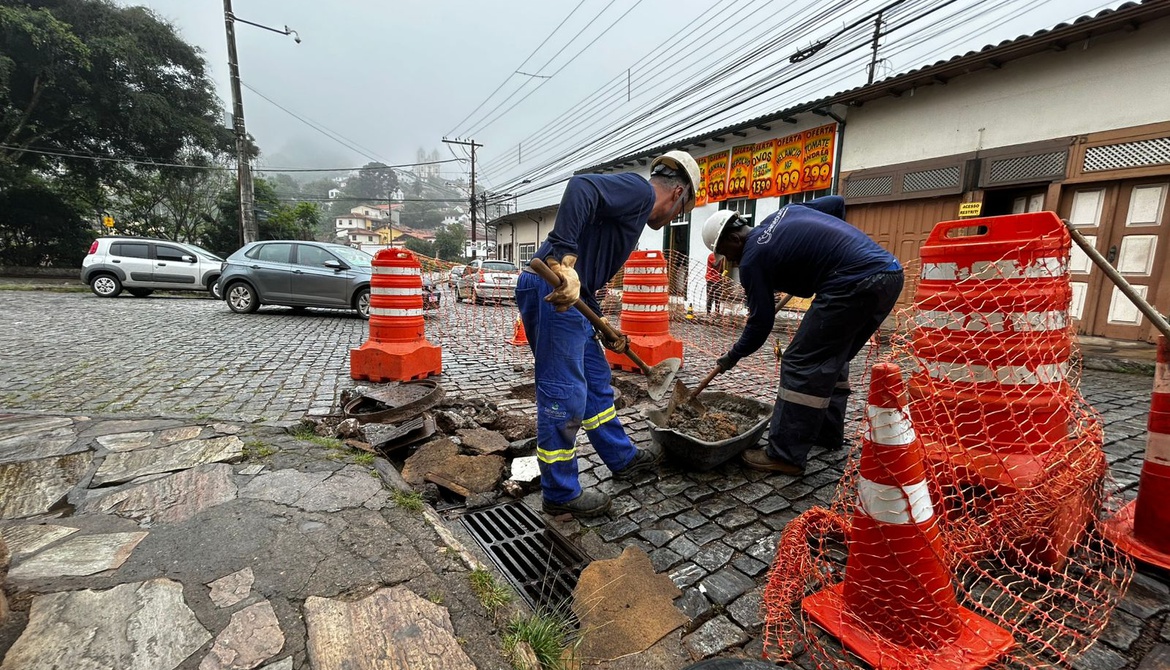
374	181
39	226
422	247
422	215
450	241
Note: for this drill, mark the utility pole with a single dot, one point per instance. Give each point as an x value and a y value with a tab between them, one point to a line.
248	230
247	197
474	146
877	35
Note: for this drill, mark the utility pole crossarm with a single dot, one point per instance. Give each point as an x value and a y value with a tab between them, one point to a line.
471	199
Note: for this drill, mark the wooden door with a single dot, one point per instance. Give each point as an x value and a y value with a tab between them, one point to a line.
1126	222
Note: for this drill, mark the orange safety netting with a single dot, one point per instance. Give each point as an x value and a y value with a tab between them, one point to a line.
1010	459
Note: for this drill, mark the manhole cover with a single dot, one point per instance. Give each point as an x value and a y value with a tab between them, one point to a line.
540	563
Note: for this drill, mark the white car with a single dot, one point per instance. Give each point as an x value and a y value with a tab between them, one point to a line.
487	280
142	266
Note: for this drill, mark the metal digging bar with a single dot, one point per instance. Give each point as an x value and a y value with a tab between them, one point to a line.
658	378
1125	287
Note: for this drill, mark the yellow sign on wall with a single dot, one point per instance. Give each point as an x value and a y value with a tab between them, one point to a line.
969	210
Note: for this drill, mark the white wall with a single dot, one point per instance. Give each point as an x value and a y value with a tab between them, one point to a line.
1115	81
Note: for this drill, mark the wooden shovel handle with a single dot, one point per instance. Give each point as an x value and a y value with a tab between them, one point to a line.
607	330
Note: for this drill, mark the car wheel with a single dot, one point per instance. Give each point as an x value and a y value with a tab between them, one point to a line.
361	302
105	286
458	295
214	288
242	299
139	292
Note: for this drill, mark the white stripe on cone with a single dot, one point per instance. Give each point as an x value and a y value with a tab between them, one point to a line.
383	311
381	290
396	271
1040	268
1008	375
1158	448
643	308
646	271
643	288
888	427
994	322
895	504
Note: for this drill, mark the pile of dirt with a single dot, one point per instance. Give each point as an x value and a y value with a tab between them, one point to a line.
720	421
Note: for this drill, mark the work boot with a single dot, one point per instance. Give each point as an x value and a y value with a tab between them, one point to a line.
758	459
643	461
589	504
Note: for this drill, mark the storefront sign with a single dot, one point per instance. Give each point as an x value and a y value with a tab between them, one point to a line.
818	158
701	191
739	175
763	169
717	176
789	163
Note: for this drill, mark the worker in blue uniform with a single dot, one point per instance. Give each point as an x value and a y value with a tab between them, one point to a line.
598	225
806	249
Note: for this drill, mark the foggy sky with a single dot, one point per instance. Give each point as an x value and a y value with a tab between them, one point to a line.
394	76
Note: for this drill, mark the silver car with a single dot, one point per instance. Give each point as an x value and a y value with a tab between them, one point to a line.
142	265
487	280
297	274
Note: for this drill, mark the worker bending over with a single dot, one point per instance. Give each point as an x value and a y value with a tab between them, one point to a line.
598	225
806	249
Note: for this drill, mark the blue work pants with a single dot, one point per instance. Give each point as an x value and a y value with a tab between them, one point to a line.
572	391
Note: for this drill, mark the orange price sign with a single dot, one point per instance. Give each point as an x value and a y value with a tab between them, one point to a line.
764	169
789	164
701	191
739	175
717	176
818	158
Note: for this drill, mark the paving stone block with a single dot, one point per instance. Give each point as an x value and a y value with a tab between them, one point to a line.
716	506
765	549
1158	658
623	505
691	519
684	546
656	537
713	556
671	487
746	611
616	530
772	504
715	636
694	604
725	586
669	507
698	494
728	483
664	559
704	534
744	537
737	518
1122	630
1100	657
686	575
749	566
751	492
1146	597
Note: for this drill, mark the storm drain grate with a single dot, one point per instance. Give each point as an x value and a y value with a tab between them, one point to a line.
537	560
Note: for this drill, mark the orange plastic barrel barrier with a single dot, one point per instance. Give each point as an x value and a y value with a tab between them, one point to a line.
1142	528
397	348
645	315
991	396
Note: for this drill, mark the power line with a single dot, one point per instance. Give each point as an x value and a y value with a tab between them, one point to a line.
190	166
518	68
336	137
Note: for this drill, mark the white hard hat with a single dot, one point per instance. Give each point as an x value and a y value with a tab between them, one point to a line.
681	162
714	226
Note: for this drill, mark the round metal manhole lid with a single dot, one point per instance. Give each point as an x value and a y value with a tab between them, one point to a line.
395	402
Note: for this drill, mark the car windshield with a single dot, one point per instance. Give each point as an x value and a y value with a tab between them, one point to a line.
354	257
499	266
204	252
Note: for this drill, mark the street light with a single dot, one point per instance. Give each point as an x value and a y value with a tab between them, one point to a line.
248	228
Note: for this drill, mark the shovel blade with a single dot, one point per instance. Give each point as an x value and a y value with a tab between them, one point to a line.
660	377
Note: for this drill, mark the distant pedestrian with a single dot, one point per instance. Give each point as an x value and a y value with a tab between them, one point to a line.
807	249
598	225
715	265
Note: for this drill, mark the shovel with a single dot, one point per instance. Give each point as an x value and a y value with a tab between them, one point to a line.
684	396
658	378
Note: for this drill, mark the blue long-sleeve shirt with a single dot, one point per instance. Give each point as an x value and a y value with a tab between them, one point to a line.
802	249
600	220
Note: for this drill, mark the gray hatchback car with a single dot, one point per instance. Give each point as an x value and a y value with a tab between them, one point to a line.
297	274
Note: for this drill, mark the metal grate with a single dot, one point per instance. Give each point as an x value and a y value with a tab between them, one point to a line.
868	188
1128	155
537	560
1026	168
931	180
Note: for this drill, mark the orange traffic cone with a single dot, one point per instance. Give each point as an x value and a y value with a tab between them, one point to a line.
1142	528
897	606
519	337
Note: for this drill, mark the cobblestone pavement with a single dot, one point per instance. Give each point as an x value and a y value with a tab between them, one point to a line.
713	532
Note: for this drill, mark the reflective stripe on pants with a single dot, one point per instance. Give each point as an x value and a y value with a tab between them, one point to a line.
572	391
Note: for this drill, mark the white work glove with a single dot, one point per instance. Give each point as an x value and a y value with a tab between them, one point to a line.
567	294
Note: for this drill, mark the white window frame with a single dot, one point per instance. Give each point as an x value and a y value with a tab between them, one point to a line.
525	251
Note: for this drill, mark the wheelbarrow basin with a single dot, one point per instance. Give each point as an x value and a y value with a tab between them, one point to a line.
693	453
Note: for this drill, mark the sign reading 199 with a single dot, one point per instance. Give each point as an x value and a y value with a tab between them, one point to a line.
789	180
